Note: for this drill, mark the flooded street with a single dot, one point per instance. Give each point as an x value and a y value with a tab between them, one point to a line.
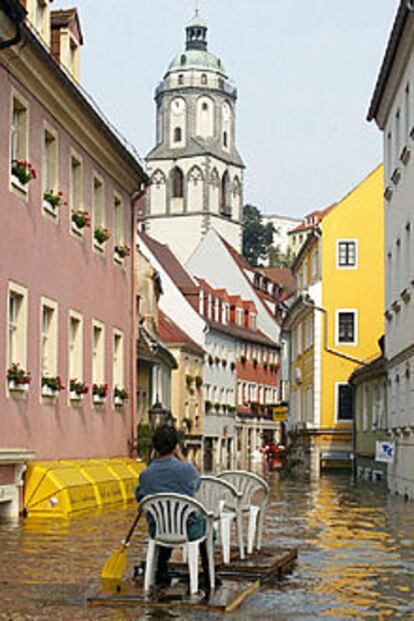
356	559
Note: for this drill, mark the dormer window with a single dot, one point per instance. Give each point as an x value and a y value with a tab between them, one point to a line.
253	321
183	59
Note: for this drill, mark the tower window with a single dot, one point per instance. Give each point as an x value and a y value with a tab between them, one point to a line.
225	207
183	59
204	107
181	79
225	139
221	83
204	79
177	181
177	134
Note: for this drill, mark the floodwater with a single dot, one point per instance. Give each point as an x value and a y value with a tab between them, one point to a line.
355	544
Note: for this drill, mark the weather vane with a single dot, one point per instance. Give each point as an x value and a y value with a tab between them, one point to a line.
197	7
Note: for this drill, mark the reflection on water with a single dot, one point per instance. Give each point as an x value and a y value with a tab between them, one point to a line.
356	559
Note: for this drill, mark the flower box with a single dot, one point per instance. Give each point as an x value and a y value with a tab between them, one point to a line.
18	387
49	392
52	200
101	235
80	219
23	172
18	184
75	396
98	399
17	378
99	393
120	396
122	250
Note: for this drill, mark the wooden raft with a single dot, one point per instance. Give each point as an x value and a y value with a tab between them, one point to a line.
239	580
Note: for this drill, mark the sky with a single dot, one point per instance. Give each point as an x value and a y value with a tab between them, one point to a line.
305	72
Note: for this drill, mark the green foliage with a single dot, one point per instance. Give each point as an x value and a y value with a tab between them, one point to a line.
278	259
257	237
144	440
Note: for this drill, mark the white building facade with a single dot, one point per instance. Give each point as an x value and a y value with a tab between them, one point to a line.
196	172
392	108
282	225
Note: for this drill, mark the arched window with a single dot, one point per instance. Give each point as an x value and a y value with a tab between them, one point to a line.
203	79
204	106
177	134
181	79
183	59
177	183
225	204
225	139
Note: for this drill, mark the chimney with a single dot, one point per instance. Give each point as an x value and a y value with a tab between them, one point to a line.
66	39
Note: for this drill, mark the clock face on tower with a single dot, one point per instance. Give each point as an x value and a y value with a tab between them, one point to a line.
177	105
226	111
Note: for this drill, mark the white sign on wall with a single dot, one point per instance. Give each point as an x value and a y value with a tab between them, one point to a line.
385	452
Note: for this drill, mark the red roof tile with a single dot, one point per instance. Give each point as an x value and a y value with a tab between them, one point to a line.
171	334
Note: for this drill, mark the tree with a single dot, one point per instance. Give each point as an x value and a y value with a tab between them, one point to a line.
278	259
257	237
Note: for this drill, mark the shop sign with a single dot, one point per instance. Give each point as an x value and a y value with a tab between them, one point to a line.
280	413
385	452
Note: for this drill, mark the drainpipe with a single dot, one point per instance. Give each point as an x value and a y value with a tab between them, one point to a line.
134	331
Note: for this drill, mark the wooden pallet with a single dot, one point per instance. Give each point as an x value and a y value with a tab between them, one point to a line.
226	598
239	580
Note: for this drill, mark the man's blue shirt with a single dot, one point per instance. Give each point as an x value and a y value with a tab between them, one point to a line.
168	475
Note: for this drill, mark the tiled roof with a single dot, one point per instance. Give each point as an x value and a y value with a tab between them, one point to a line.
242	333
172	266
171	334
282	276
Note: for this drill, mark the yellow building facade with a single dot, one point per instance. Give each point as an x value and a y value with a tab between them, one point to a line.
335	321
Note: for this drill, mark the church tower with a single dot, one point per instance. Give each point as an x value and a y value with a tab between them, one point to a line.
195	170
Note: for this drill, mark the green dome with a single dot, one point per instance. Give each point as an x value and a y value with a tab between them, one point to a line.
196	59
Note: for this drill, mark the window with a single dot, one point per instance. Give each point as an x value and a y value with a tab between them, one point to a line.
203	79
98	353
181	79
98	202
17	325
75	346
204	106
177	179
407	109
19	130
49	163
177	134
75	183
118	359
389	153
397	134
346	327
225	206
225	141
344	402
346	253
48	345
118	221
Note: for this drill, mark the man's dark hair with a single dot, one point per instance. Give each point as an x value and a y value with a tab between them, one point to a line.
165	439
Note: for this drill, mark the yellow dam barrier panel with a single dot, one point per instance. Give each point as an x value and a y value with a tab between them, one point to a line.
62	488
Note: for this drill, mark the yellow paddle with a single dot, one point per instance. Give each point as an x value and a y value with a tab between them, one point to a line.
114	567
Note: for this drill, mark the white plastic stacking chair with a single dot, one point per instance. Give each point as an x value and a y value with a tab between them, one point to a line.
170	513
222	499
254	491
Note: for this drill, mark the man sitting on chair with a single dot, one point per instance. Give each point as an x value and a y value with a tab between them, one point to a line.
169	473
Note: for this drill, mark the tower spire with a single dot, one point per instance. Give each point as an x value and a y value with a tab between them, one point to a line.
196	32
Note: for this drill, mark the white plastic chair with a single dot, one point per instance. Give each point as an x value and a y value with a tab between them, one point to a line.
170	513
251	487
222	499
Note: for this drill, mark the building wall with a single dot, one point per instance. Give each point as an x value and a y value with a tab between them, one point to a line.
43	256
187	398
212	261
359	216
282	226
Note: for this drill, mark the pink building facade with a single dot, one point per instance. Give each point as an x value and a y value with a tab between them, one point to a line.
66	297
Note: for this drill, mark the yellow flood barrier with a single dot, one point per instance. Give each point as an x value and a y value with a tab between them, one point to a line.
62	488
